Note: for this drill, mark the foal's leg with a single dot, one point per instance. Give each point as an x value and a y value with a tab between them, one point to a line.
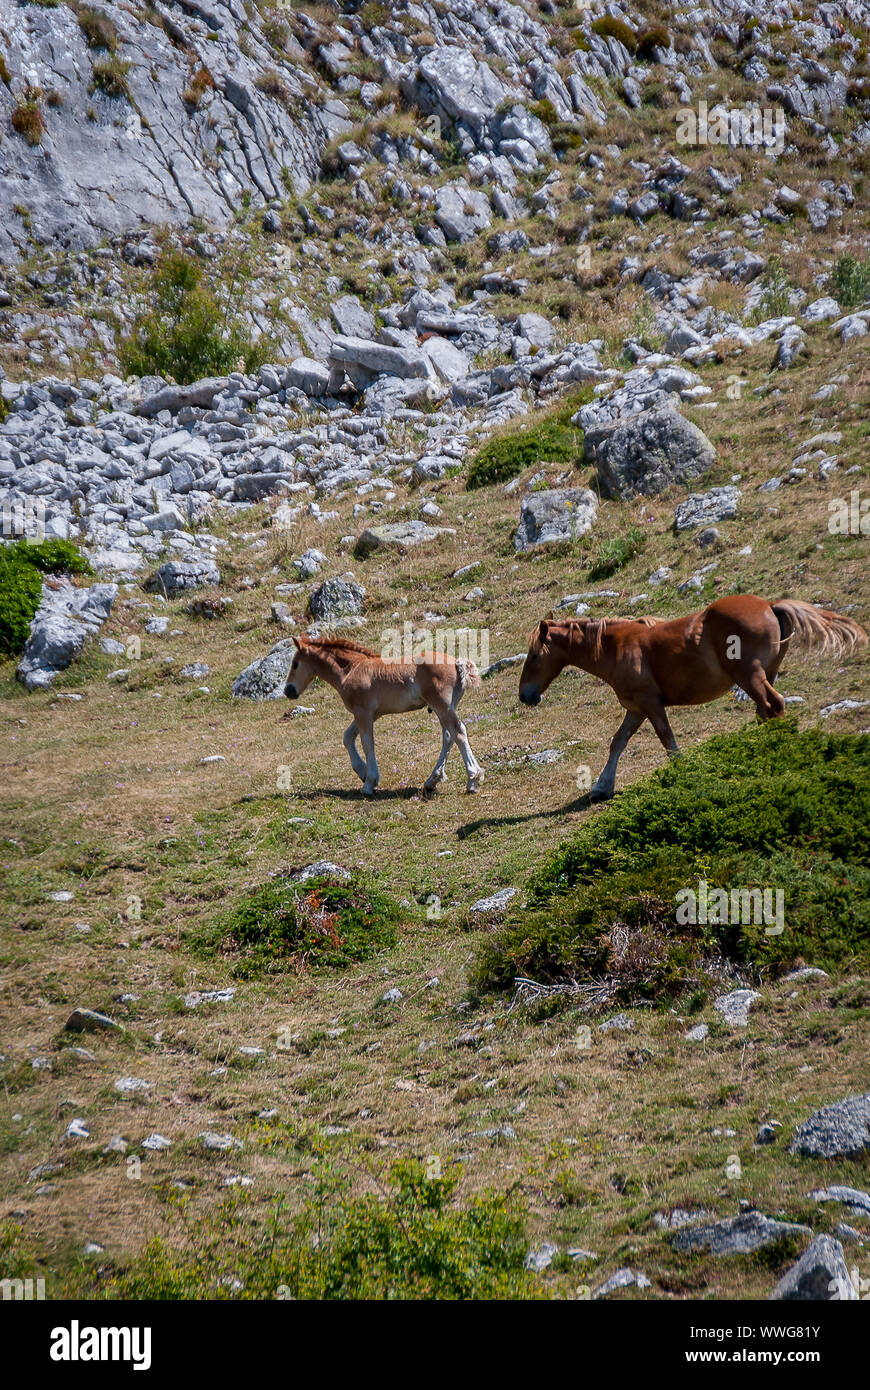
438	773
349	742
460	738
603	788
365	723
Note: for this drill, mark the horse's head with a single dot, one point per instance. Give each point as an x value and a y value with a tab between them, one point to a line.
548	651
302	670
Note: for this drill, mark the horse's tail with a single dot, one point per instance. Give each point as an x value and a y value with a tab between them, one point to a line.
469	676
817	629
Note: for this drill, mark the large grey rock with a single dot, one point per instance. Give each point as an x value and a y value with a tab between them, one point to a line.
398	535
736	1235
378	358
172	398
821	1273
65	618
704	508
851	1197
649	452
461	212
351	318
266	677
307	375
176	576
841	1130
336	598
734	1007
450	83
548	518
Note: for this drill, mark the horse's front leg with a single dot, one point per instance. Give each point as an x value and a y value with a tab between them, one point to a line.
365	723
603	788
349	741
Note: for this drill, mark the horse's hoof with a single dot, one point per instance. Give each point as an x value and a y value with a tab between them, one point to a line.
601	794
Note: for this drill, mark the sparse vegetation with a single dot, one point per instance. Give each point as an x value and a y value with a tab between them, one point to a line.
109	76
616	552
28	120
97	27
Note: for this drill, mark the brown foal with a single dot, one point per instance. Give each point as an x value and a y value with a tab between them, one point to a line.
651	664
371	687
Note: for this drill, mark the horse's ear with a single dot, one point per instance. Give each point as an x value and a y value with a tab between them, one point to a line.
550	614
543	630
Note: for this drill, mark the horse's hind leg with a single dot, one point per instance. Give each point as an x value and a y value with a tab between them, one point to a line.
349	741
768	702
603	788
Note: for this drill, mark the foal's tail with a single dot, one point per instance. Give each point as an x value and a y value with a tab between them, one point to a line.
817	629
469	676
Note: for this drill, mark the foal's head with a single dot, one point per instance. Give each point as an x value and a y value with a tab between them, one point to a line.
302	671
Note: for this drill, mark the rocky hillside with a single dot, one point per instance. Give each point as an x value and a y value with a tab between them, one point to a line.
398	321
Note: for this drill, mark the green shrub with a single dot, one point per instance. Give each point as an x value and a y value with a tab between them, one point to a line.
850	281
768	807
615	553
284	925
184	331
551	439
414	1242
21	566
609	28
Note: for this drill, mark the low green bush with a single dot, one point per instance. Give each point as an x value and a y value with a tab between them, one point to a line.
613	554
850	281
549	439
22	565
414	1242
284	925
768	807
184	330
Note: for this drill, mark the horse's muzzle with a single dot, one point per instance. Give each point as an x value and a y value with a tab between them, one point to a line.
530	697
291	692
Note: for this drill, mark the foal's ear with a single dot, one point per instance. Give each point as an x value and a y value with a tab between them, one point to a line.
544	629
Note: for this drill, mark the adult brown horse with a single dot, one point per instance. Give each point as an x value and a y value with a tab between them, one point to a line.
651	663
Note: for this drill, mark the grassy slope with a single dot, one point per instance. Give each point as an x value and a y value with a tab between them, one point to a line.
107	797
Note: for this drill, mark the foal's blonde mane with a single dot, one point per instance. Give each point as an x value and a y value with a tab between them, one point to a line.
336	644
